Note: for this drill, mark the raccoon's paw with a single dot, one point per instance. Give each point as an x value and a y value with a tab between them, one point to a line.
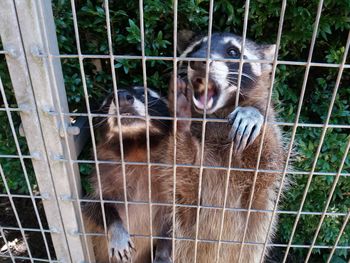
120	245
183	105
246	125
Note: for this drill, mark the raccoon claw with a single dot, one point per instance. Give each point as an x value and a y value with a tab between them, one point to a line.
120	245
246	125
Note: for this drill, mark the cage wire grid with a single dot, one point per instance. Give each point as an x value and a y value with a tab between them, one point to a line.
49	56
16	56
25	172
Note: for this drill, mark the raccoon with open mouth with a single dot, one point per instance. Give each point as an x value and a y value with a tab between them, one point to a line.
244	127
247	119
120	245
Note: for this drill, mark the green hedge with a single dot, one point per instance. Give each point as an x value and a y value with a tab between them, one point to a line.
262	27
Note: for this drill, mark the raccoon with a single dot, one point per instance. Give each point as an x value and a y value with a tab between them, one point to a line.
223	82
243	127
120	246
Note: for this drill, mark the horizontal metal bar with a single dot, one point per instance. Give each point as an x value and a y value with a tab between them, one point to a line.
182	205
300	124
29	229
4	52
279	123
185	166
213	167
12	156
24	196
184	239
11	109
203	206
132	57
229	242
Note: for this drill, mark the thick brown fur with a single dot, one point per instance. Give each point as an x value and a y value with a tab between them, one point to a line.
137	189
216	153
137	181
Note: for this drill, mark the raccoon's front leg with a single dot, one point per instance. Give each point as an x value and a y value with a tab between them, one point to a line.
246	125
119	242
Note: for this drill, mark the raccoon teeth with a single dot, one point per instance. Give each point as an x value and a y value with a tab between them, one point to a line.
210	103
198	104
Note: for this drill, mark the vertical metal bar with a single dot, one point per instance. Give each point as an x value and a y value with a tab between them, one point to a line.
274	67
241	63
296	121
7	189
346	220
335	182
144	76
210	27
115	90
227	181
324	130
175	5
7	243
39	36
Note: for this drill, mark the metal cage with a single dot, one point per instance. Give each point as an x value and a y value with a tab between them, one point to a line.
34	62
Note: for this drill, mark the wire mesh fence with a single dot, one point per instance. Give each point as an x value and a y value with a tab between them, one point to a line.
43	221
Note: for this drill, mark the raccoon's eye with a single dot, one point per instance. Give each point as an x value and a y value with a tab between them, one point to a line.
233	52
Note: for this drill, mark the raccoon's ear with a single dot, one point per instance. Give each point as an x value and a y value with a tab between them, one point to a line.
184	38
269	51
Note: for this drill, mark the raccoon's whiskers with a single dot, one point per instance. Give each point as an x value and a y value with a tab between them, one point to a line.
232	83
243	74
98	124
150	104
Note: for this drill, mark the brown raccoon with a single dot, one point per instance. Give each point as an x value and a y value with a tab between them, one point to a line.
120	244
246	121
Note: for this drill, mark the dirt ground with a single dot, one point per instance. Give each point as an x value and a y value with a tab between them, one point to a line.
28	219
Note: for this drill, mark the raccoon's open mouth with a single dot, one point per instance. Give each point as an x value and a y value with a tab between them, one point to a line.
199	94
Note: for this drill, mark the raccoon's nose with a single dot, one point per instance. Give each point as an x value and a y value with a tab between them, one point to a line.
125	98
197	65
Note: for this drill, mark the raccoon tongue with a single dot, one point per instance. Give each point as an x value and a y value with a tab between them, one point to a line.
201	103
209	96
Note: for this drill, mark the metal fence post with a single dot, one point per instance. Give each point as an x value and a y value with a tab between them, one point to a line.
34	88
